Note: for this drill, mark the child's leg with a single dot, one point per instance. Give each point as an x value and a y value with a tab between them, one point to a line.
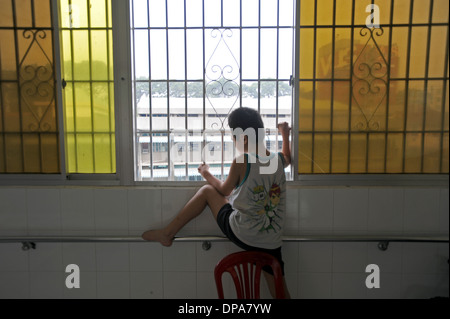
271	284
207	195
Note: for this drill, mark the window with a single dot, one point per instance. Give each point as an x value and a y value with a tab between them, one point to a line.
88	81
373	100
29	129
194	61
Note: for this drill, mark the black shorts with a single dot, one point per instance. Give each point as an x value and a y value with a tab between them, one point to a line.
223	219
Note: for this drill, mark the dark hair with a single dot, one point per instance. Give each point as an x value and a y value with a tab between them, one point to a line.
244	118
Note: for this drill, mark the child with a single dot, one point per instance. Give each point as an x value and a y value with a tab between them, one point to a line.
249	206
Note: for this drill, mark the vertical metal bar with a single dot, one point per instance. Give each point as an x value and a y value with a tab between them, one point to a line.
425	90
108	65
222	132
408	66
296	88
352	31
388	87
277	83
169	171
55	22
240	55
333	48
91	96
72	63
137	158
366	169
16	46
314	87
259	56
2	132
204	82
186	95
33	17
444	97
150	116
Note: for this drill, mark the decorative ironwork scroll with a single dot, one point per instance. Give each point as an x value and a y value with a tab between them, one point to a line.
222	73
37	81
370	76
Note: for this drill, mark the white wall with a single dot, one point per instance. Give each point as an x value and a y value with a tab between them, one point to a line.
185	270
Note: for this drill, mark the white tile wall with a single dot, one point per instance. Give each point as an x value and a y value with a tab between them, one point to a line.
185	270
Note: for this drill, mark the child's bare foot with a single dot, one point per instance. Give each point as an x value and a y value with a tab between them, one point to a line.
158	235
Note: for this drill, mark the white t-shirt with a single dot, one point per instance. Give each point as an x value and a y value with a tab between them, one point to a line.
259	203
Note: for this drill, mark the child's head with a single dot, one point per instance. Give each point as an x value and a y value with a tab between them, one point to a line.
246	118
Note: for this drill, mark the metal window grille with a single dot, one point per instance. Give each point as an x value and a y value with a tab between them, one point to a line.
29	132
184	89
373	100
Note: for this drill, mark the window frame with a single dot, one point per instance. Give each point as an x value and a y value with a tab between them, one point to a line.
124	130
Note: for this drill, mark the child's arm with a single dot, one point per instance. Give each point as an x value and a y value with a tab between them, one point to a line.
226	187
284	130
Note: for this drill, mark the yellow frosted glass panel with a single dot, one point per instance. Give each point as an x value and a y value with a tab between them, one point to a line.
112	121
324	12
31	156
322	153
385	10
322	116
81	70
344	12
305	153
445	154
98	14
6	16
305	107
71	152
399	52
306	53
69	110
342	53
11	110
376	153
396	115
440	11
14	153
401	11
358	147
418	52
24	18
360	11
340	153
101	107
324	53
66	51
50	153
85	153
83	109
394	153
341	102
437	52
433	115
446	114
421	11
102	153
413	152
415	110
7	56
307	12
42	14
431	153
78	12
99	56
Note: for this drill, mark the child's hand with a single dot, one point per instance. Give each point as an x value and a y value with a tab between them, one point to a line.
284	129
203	168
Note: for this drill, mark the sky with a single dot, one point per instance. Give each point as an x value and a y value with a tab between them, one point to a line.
224	53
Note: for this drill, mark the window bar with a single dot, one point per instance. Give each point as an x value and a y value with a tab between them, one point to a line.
425	90
296	89
222	132
240	55
388	88
277	83
186	149
333	48
168	91
16	45
204	83
408	58
444	98
314	88
352	31
3	132
108	65
259	56
150	100
91	97
137	150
